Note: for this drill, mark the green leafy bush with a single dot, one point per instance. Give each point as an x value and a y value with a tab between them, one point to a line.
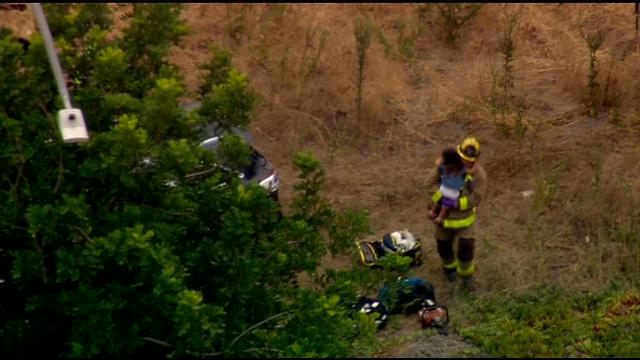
107	250
551	322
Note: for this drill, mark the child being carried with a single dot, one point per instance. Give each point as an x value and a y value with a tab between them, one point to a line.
452	181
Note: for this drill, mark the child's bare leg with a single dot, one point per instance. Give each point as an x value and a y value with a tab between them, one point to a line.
442	215
433	212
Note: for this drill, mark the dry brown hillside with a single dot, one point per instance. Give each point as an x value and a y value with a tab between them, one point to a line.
415	107
302	60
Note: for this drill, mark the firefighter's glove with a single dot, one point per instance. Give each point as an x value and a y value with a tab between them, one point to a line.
450	203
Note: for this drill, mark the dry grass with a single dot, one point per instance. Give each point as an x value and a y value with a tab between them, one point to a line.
22	23
414	109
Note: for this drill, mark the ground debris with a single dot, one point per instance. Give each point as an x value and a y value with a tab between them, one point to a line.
437	346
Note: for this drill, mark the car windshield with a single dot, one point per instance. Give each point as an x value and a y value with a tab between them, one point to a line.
258	162
211	131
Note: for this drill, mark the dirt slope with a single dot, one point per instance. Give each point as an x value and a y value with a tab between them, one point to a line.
413	108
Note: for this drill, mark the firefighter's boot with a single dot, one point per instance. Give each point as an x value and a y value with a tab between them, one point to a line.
450	274
451	270
468	283
466	270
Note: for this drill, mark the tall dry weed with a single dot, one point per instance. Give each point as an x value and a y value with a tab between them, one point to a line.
605	220
362	32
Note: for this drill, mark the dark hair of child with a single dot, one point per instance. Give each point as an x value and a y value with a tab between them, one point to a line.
452	160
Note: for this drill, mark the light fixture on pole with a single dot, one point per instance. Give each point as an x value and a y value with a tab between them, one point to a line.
70	120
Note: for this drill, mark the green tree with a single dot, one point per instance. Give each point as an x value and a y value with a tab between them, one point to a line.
230	103
153	29
110	249
216	71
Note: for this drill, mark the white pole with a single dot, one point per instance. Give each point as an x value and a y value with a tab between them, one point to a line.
70	121
51	52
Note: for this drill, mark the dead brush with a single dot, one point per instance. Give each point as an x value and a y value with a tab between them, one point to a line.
594	40
404	46
606	224
508	105
362	31
595	27
315	41
452	18
270	22
612	94
236	26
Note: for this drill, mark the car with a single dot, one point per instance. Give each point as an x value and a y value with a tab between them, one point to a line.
260	171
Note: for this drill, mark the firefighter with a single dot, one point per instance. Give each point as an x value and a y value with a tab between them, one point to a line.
459	224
